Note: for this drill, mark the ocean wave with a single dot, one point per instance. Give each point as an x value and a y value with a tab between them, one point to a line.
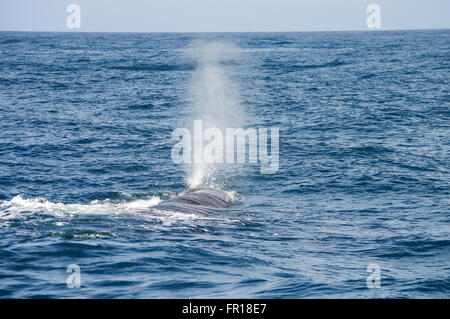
11	41
333	63
18	205
155	67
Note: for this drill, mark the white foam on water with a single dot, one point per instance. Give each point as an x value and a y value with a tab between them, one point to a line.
21	208
19	205
232	195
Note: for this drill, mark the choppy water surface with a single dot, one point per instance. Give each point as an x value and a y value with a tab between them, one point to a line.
85	151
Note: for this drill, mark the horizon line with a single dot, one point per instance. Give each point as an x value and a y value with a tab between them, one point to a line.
291	31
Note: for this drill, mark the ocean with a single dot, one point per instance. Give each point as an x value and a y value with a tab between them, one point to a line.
363	181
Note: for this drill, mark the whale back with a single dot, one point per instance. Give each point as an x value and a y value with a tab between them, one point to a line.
200	199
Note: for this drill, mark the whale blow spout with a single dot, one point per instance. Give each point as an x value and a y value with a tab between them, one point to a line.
200	199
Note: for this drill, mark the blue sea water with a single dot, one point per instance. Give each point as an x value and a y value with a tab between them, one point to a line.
85	150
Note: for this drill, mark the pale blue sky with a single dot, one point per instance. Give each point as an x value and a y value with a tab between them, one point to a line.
224	15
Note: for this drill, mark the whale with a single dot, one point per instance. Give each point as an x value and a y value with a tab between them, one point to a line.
201	199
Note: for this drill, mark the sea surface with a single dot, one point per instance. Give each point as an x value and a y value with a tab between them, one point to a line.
364	165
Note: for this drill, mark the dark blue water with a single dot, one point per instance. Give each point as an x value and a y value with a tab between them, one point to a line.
85	148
